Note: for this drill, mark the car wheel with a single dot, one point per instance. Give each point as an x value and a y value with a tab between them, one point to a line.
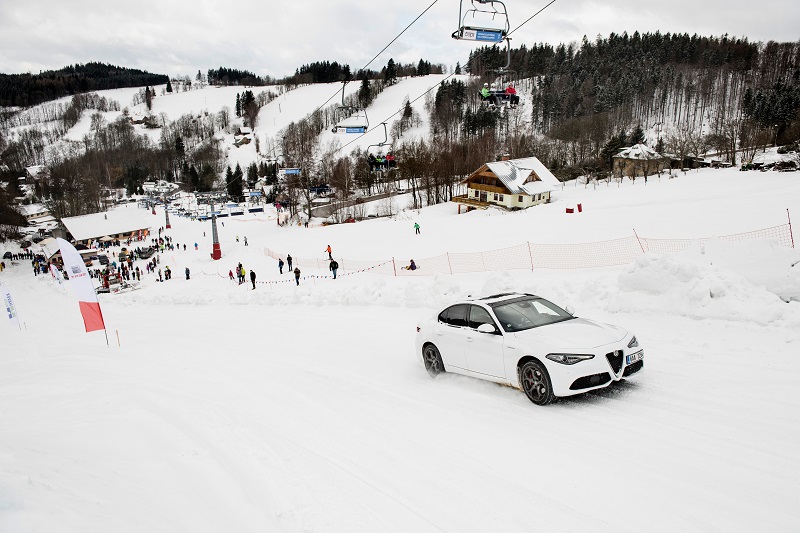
535	381
433	360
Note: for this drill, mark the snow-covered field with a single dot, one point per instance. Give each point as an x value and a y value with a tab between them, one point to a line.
221	408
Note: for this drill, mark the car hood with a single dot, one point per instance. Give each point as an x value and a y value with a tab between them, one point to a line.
575	333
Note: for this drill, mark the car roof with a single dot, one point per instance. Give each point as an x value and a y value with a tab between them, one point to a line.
503	296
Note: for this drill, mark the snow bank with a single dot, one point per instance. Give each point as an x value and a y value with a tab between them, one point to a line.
725	281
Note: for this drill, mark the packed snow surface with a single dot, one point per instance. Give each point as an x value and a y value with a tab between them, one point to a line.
216	407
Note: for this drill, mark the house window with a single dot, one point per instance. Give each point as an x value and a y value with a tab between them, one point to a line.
477	193
521	199
495	197
501	197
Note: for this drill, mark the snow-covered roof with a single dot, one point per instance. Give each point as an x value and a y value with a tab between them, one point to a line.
35	171
32	210
117	221
515	172
639	151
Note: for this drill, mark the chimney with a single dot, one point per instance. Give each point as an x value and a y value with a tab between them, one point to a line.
505	157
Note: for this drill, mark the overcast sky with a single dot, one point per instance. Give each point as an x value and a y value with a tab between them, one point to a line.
274	37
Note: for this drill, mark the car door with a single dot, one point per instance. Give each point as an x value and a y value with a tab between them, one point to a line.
484	351
450	336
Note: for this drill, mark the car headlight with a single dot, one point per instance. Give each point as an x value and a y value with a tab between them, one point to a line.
569	358
634	343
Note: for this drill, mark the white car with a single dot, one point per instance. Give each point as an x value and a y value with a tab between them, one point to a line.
529	343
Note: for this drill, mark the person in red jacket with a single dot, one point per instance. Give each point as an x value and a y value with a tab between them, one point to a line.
511	94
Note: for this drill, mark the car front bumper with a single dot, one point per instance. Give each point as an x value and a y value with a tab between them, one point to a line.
607	366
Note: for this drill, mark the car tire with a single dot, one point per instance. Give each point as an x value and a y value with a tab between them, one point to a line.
433	360
535	382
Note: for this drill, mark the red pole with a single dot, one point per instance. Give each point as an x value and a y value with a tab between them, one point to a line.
791	235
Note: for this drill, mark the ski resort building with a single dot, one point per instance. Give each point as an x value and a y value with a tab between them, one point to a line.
122	224
509	184
638	160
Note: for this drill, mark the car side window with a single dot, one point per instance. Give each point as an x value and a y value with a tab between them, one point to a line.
478	315
455	315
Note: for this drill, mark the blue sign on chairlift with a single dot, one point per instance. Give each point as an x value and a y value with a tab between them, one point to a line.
255	193
482	34
291	171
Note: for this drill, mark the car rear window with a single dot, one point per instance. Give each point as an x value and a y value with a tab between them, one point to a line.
455	315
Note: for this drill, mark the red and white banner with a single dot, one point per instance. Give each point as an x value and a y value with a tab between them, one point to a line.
56	274
8	303
82	286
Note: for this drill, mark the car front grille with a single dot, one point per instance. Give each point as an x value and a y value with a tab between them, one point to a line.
634	368
615	359
590	381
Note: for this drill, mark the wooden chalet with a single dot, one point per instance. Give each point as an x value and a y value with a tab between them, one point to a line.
509	184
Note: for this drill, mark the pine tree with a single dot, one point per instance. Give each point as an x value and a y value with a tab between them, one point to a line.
458	69
169	86
391	72
637	137
364	93
238	106
252	175
179	147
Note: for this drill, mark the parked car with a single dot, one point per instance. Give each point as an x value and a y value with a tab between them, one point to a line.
103	259
527	342
147	253
8	255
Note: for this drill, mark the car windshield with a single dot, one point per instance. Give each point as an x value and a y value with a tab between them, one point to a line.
528	312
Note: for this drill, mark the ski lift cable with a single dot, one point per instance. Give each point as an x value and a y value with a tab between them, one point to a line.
529	19
379	53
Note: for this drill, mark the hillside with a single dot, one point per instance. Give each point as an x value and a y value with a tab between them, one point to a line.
23	90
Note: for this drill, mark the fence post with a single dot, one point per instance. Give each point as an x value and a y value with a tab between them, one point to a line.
448	263
530	254
639	240
791	235
394	267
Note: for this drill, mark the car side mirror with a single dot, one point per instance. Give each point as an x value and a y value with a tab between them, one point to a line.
569	309
486	328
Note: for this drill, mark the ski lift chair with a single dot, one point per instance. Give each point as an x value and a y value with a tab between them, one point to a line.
376	163
482	20
354	120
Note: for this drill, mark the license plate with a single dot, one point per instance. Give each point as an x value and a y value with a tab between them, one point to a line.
632	358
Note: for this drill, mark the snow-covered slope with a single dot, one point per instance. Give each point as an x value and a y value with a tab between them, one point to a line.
304	408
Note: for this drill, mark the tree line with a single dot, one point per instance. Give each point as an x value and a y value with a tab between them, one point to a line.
23	90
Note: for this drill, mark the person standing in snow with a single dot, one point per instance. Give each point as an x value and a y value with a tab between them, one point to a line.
289	261
230	275
297	276
416	228
330	254
187	272
253	278
280	265
334	266
245	240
